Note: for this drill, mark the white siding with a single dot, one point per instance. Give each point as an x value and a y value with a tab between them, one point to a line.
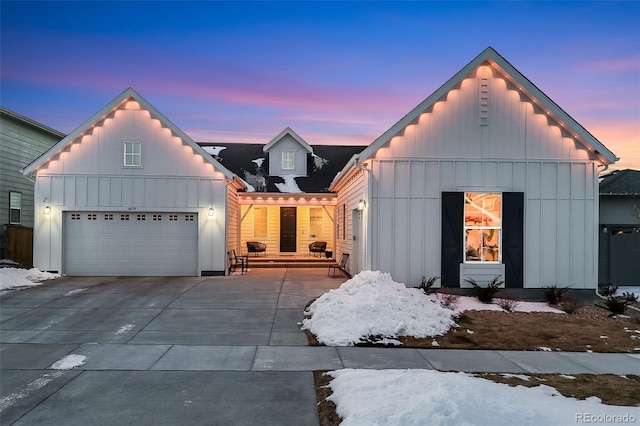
519	150
354	190
287	143
90	176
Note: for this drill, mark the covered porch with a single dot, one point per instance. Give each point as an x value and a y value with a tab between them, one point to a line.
287	224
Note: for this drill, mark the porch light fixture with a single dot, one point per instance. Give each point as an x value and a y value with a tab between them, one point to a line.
361	205
212	212
47	210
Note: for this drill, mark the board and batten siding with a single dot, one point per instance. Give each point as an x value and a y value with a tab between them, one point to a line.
515	150
233	220
89	175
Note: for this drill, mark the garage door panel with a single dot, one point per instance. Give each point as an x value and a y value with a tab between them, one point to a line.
99	243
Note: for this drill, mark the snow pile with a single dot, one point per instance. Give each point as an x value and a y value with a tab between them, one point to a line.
289	185
428	397
69	362
17	277
372	305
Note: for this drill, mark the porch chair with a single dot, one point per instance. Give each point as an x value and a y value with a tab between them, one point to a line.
317	247
342	266
234	262
256	247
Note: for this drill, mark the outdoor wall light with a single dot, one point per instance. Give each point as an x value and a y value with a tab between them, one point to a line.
361	205
47	210
212	212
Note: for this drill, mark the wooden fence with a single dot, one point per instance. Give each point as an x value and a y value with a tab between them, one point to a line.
18	244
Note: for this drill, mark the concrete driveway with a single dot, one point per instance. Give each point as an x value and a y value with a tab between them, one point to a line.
192	350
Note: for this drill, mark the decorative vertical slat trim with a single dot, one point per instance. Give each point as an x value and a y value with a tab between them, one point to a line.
484	102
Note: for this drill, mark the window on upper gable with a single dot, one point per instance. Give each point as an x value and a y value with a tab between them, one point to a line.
132	153
15	208
482	227
288	160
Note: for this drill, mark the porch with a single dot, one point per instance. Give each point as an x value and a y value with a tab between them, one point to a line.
289	261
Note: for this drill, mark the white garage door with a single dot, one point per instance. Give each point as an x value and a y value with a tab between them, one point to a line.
126	244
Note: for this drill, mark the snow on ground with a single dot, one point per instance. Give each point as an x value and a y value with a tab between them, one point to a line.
624	289
69	362
428	397
371	305
17	277
289	185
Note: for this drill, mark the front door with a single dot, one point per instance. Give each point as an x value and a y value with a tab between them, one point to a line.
288	229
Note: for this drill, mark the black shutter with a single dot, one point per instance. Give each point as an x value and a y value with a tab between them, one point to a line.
513	238
452	228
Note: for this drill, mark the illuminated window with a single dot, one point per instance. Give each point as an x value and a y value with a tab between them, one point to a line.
132	153
260	222
288	158
315	222
15	208
482	227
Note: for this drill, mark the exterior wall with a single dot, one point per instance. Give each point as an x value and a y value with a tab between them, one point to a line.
20	144
272	240
514	150
354	190
233	220
619	210
287	143
618	213
89	175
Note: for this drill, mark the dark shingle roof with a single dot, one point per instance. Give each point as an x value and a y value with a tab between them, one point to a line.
239	158
621	182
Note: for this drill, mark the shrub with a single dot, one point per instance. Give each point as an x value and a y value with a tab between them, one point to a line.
609	290
448	299
486	294
569	306
615	305
555	294
630	297
508	302
428	285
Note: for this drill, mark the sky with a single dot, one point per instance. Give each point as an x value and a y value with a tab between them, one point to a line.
338	73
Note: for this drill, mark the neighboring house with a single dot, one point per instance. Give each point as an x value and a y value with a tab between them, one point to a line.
21	141
486	177
128	193
620	228
287	204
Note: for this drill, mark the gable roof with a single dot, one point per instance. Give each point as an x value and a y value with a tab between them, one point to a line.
32	123
288	131
514	77
621	182
249	160
110	109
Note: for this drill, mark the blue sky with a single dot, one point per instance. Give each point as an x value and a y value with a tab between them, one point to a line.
336	72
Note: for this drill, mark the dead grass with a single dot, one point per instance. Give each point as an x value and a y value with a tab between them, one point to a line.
590	328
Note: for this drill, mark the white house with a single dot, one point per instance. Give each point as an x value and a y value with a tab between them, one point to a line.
486	177
128	193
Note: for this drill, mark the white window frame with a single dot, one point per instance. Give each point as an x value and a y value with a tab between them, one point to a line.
288	160
15	203
482	227
132	158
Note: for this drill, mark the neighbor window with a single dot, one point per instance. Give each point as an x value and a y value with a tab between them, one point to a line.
482	227
315	222
288	162
260	222
15	208
132	153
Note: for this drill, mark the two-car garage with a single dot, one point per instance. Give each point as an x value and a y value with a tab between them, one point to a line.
130	243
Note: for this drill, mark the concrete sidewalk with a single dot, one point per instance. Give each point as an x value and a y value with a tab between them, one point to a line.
201	350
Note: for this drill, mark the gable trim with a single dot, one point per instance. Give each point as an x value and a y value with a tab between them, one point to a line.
288	131
513	76
104	113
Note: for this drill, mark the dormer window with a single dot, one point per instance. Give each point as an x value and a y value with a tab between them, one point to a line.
288	160
132	153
